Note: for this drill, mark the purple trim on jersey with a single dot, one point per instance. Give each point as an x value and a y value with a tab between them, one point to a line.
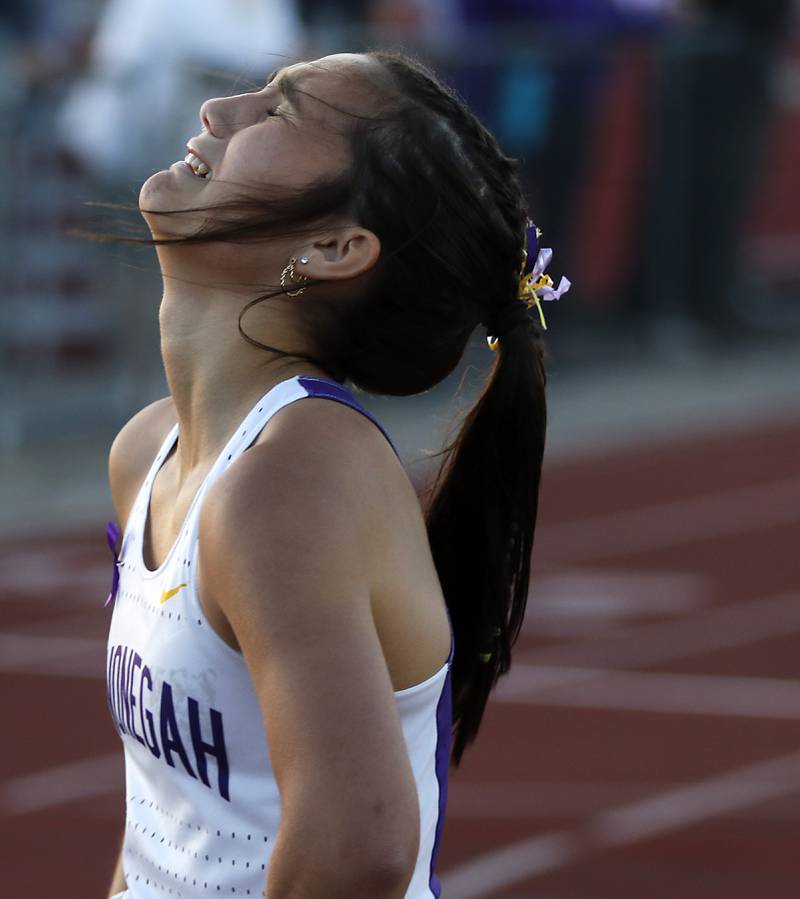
332	391
444	726
112	535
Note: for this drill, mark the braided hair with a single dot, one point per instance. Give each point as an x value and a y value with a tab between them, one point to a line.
447	204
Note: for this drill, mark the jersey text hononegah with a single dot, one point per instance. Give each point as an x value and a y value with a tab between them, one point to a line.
146	710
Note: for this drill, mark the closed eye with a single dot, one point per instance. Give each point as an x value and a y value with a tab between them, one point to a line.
274	110
271	110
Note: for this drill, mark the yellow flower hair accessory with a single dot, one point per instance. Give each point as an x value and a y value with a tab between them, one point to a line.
534	286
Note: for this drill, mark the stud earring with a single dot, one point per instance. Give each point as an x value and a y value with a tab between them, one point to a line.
289	273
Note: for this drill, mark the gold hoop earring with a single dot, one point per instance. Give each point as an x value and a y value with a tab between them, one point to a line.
290	273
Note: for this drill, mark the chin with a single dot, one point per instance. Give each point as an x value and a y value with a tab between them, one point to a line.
148	188
154	194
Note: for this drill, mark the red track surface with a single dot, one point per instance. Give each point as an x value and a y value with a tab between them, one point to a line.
646	744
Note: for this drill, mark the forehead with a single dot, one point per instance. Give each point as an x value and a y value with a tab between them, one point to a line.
335	65
345	79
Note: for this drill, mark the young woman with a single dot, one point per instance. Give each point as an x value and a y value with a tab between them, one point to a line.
293	637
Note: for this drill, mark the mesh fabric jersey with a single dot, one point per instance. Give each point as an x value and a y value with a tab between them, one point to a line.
202	802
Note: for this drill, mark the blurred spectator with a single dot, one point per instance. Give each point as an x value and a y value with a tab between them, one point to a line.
137	105
332	25
586	14
325	13
40	42
541	95
712	107
19	17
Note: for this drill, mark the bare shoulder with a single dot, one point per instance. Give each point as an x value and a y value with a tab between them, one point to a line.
318	456
324	427
320	519
298	515
133	450
319	468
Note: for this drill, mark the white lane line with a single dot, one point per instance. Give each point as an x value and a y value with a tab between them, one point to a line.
37	654
63	784
624	826
724	627
670	524
652	691
531	800
89	667
541	799
712	798
36	572
41	580
587	601
512	864
43	554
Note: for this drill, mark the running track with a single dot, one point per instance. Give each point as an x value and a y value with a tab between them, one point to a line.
646	744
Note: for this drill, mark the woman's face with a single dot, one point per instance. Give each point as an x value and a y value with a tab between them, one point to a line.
284	135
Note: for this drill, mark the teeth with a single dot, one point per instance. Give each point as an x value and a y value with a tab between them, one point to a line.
199	168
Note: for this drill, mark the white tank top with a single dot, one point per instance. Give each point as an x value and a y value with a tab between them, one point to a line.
202	803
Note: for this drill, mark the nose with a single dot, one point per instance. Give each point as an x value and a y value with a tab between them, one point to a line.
208	109
220	115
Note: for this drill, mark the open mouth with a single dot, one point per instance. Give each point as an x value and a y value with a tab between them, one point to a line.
200	169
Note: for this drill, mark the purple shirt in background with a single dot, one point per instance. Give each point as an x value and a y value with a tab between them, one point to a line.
582	14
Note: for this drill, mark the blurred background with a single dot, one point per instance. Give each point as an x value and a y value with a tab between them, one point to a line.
647	740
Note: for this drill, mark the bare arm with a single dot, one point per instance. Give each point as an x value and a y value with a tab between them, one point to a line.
118	878
284	548
130	453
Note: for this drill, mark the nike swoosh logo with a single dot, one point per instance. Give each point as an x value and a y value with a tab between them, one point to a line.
169	593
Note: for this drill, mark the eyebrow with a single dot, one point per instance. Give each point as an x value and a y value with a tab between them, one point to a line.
286	84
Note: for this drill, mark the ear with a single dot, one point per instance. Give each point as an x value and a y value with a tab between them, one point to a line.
345	253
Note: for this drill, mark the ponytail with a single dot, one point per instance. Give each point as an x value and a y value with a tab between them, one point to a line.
481	517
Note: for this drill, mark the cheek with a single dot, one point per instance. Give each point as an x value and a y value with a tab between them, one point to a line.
275	161
319	158
289	157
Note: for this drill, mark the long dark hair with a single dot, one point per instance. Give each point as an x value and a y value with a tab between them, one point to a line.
446	203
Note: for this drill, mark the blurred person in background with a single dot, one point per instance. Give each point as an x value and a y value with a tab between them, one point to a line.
333	21
43	40
309	649
712	106
150	62
539	88
41	44
356	23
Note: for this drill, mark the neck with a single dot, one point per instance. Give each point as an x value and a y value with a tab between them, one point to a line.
215	376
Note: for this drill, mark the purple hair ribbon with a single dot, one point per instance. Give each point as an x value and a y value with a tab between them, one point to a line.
531	251
112	533
534	284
